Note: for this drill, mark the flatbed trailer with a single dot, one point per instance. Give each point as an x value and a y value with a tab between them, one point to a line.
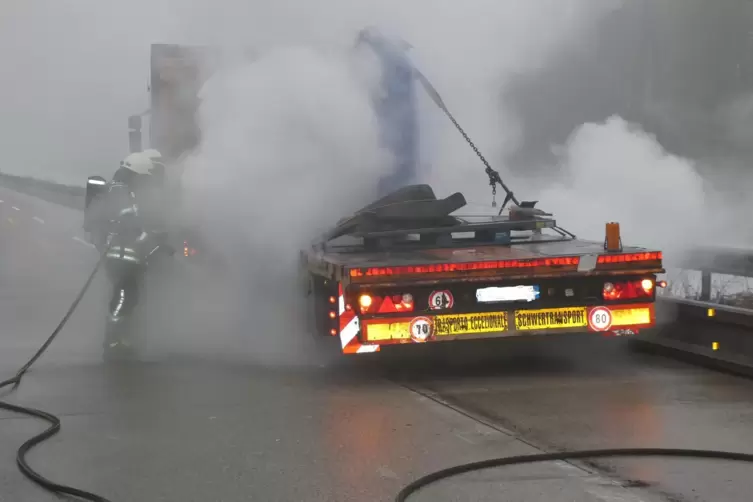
405	271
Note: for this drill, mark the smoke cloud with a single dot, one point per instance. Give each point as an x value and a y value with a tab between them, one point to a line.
614	171
290	140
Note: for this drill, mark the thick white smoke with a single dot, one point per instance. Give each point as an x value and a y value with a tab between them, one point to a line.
614	171
290	141
289	147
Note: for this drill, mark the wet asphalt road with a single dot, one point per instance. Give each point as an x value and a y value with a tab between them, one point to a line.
201	424
582	392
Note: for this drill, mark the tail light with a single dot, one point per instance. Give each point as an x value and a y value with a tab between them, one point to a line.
629	290
389	304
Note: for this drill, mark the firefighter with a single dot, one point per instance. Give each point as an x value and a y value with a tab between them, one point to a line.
132	231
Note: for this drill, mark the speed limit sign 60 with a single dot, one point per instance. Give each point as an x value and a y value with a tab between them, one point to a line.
441	300
600	319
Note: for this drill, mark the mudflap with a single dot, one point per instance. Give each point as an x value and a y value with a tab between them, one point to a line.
323	346
313	304
319	293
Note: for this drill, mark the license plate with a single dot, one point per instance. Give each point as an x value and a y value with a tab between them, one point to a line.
383	331
631	317
508	294
466	324
572	317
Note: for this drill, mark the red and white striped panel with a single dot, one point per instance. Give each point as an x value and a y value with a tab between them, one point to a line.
349	329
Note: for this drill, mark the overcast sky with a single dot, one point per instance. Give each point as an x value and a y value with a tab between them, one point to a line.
75	69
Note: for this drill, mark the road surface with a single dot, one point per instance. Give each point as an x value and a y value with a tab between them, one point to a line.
583	393
230	409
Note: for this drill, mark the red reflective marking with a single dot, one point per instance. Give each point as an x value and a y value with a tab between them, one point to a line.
465	267
631	257
387	306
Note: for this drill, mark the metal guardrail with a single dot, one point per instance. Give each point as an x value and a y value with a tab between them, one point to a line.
696	323
57	193
673	308
710	261
706	305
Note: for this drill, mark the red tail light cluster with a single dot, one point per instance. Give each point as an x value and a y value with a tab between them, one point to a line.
370	304
643	288
466	266
630	257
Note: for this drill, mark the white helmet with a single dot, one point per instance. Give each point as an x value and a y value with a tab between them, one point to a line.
139	163
155	156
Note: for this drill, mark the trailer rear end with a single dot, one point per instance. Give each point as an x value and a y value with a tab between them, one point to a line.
451	301
388	289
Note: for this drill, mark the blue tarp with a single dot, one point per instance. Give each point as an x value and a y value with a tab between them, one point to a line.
396	109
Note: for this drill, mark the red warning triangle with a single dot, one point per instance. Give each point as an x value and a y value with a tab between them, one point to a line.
387	306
